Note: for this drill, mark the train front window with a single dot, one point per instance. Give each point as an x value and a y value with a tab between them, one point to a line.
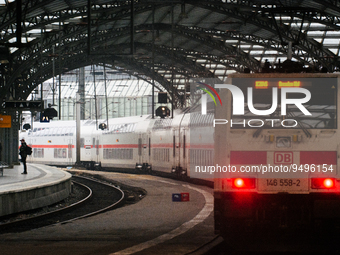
322	105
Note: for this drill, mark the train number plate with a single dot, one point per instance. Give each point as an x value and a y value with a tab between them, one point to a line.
278	184
283	182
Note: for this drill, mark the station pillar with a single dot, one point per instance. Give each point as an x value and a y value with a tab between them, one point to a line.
9	138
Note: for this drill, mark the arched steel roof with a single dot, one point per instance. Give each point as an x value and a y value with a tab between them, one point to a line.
170	41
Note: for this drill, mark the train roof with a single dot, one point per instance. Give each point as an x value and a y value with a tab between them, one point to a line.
283	75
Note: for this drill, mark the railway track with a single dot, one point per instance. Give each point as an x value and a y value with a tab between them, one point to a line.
100	197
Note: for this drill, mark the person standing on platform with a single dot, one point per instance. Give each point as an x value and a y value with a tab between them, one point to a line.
23	154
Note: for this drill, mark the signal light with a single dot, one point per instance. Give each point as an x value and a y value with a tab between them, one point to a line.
102	126
323	183
163	111
243	183
27	126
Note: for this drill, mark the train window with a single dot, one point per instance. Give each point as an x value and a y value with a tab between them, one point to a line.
161	154
38	152
155	154
118	153
93	142
60	153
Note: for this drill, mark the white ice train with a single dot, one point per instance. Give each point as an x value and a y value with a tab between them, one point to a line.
140	143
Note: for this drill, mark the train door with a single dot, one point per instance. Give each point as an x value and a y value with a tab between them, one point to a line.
149	149
70	151
143	151
140	149
88	147
145	158
176	149
97	150
183	152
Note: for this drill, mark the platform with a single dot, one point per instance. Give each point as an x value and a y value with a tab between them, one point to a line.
41	186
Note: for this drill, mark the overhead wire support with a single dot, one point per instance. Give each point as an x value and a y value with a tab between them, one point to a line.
153	63
89	27
172	60
95	95
19	21
107	107
41	71
59	58
53	74
132	28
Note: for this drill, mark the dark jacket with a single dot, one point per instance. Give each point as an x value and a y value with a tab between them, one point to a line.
23	150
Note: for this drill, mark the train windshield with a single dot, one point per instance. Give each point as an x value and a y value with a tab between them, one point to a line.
321	105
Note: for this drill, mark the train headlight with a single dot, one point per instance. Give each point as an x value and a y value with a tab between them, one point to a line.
323	183
243	183
328	183
239	183
283	142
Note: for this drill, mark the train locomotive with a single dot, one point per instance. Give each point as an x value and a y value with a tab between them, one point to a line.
279	134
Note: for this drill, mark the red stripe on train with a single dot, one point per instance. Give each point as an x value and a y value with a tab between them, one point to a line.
318	157
107	146
51	146
248	157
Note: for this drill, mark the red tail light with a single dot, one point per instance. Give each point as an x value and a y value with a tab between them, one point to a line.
243	183
323	183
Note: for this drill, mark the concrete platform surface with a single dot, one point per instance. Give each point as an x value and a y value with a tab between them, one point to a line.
153	226
41	186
